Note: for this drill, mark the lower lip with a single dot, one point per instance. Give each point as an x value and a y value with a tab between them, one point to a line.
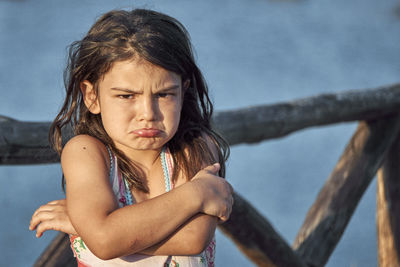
147	132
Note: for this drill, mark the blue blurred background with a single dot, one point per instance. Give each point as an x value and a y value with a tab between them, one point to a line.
251	52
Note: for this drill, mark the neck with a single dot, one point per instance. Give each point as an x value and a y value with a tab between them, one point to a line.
144	158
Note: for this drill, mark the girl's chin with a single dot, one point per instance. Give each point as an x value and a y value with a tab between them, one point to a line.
148	145
143	143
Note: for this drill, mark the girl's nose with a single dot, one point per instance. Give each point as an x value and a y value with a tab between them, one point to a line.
148	109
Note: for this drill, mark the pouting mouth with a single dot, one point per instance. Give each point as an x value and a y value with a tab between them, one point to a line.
147	132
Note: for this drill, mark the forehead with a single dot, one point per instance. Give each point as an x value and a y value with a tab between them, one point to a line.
139	74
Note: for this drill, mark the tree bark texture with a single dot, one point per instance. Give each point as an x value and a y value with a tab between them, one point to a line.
26	142
336	202
388	209
256	237
57	254
254	124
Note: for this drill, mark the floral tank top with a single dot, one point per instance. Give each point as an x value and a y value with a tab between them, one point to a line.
86	258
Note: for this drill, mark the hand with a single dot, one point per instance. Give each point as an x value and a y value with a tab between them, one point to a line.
215	192
52	216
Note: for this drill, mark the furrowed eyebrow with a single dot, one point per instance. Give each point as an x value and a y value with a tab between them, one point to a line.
126	90
170	88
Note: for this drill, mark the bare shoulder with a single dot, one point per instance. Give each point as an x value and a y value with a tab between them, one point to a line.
89	194
211	145
83	144
83	152
82	140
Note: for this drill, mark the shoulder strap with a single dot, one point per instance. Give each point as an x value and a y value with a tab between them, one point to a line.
112	164
118	183
168	167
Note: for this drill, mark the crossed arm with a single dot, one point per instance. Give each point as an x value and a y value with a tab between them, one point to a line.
164	225
191	238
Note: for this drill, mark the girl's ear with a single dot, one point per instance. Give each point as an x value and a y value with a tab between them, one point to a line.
90	97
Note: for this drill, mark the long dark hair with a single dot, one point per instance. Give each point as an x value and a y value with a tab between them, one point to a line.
163	41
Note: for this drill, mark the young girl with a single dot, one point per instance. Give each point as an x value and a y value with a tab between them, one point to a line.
143	171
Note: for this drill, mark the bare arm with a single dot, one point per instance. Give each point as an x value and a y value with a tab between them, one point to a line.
190	239
113	232
194	235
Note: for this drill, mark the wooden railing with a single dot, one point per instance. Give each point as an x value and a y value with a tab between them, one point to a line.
374	148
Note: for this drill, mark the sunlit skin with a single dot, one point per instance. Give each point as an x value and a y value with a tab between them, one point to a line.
140	106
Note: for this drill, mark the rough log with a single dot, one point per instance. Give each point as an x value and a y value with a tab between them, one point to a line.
57	254
336	202
388	209
254	124
26	142
256	237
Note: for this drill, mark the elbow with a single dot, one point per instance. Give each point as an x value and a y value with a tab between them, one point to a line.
197	244
204	245
109	248
103	255
197	250
103	248
200	235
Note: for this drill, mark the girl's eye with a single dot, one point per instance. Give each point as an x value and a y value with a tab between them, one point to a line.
127	96
164	95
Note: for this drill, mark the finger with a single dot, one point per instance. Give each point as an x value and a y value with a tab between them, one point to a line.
214	169
40	218
35	220
223	219
229	209
44	226
55	205
225	213
56	224
57	202
42	208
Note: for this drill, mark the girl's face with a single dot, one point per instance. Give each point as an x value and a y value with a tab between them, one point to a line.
139	103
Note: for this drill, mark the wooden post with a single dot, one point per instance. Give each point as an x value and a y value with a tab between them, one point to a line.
336	202
256	237
388	209
57	254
